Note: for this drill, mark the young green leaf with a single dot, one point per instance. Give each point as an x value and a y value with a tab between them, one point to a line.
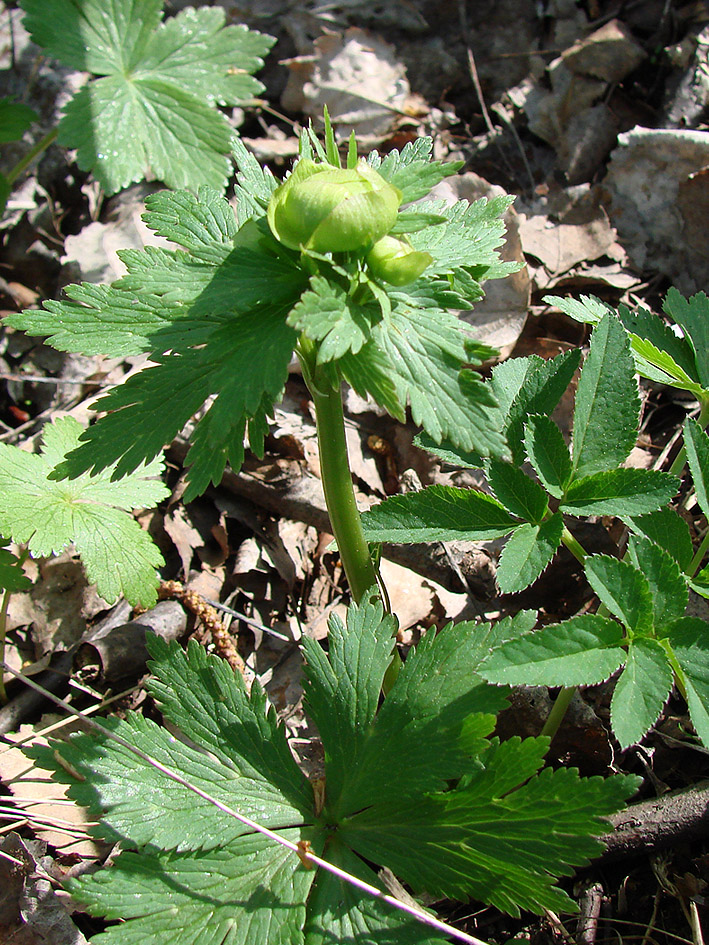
587	309
154	105
412	171
689	637
641	691
327	314
528	551
47	516
438	513
539	387
667	584
607	402
692	315
583	650
697	445
666	528
519	494
619	492
623	589
548	453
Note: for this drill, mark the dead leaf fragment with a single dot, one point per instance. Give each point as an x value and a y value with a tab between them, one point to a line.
358	77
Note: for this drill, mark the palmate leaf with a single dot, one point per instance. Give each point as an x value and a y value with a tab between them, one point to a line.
502	834
328	315
154	106
89	512
495	836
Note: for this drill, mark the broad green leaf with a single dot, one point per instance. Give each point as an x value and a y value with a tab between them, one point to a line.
668	530
619	492
12	576
140	805
607	402
208	702
338	912
548	453
437	697
623	589
494	836
641	691
90	512
693	317
696	443
516	491
587	308
438	513
154	106
528	551
490	636
410	221
15	119
689	637
343	686
328	315
584	650
667	584
251	890
204	224
540	391
412	170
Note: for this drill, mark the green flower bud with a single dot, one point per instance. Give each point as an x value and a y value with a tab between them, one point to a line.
396	261
332	210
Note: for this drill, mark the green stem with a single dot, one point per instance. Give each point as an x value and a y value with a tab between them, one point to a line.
41	146
558	711
699	556
337	485
573	546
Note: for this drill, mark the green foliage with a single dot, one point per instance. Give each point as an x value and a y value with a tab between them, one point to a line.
661	354
587	481
152	104
501	832
223	314
15	119
649	639
46	516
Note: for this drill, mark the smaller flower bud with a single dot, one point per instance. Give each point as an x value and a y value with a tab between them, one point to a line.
332	210
396	261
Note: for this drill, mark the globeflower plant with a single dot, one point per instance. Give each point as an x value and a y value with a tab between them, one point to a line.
223	838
